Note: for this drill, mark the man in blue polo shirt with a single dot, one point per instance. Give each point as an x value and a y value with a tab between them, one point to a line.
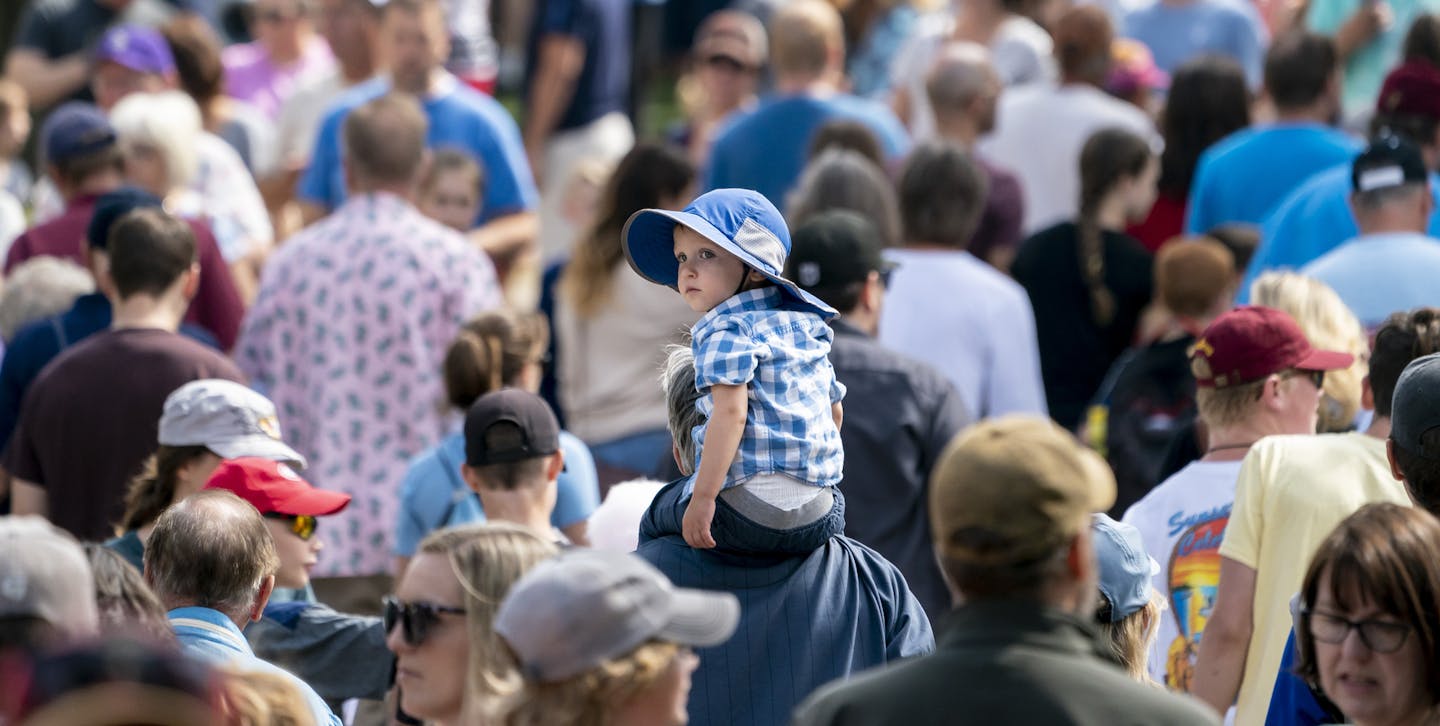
1238	180
765	149
1317	217
417	42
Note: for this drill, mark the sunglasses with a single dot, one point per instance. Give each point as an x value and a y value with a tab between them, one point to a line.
1378	635
415	618
302	526
1316	377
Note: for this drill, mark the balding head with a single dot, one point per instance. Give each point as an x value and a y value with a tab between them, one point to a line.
212	550
963	86
807	40
384	143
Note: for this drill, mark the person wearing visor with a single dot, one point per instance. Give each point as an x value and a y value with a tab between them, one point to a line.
341	656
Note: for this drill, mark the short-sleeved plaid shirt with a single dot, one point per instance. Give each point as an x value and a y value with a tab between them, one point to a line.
781	353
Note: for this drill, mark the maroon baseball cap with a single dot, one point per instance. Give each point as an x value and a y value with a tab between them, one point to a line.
1412	89
1252	342
274	488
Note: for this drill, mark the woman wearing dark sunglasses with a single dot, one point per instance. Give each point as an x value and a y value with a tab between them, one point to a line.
1368	625
438	624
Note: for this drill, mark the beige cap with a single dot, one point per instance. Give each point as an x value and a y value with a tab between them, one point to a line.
1012	489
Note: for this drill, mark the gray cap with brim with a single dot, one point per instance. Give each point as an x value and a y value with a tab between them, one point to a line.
585	607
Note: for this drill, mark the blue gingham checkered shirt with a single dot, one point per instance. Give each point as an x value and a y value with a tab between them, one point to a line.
781	354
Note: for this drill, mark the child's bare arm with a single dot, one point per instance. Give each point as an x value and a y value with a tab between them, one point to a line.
722	441
837	412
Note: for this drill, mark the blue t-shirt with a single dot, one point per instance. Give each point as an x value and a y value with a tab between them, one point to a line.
1176	34
1292	703
603	27
459	117
782	355
1313	220
1379	274
765	149
433	495
1245	176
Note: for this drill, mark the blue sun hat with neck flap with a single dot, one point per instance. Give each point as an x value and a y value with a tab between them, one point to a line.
740	221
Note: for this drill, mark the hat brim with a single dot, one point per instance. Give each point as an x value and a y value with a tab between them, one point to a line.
259	447
701	619
649	242
1325	360
314	502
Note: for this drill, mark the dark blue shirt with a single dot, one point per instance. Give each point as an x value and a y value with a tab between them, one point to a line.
899	415
804	620
603	27
38	343
1292	703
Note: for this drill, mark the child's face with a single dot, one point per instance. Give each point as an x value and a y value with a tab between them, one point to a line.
452	201
708	274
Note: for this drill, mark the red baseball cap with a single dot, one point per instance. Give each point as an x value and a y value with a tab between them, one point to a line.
1252	342
1412	89
274	488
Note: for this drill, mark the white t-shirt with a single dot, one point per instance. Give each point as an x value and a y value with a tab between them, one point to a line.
1182	522
953	311
1021	51
1040	131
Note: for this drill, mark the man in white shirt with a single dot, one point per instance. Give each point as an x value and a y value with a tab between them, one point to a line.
1256	376
948	308
1043	127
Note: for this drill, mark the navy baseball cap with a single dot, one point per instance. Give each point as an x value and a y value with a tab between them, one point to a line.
110	207
75	129
1388	162
138	48
1415	407
740	221
539	431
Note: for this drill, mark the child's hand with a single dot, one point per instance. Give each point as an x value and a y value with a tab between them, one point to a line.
697	523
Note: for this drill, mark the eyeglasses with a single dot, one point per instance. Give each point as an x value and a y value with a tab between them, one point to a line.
1378	635
302	526
415	618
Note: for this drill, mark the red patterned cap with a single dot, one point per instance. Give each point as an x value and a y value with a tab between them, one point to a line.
1252	342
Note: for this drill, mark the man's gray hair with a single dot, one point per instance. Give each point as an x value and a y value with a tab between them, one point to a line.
678	379
211	550
40	288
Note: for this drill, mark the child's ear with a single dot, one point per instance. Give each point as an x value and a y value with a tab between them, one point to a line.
755	276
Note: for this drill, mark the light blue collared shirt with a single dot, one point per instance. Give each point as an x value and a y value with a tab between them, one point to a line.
209	635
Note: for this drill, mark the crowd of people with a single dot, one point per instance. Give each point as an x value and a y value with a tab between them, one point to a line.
387	362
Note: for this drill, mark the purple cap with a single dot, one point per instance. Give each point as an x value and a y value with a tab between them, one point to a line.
75	129
138	48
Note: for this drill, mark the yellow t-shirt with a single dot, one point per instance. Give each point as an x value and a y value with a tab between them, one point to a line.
1292	492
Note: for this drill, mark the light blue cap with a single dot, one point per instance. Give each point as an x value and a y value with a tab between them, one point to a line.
1125	568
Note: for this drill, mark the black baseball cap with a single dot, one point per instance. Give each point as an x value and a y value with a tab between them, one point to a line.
1415	407
539	432
113	205
833	250
1388	162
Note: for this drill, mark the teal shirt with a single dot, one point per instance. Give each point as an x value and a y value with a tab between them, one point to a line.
1366	69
